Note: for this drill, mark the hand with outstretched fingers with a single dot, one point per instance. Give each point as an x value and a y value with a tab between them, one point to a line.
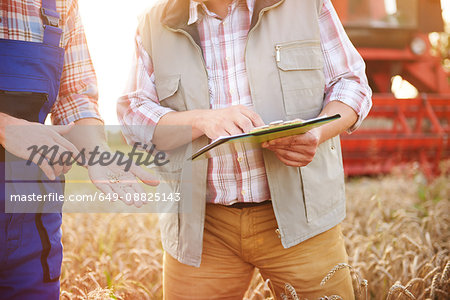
19	137
232	120
114	179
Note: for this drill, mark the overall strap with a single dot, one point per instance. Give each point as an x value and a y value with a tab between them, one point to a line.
50	18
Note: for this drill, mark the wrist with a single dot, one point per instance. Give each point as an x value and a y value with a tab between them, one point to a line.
5	121
197	121
318	132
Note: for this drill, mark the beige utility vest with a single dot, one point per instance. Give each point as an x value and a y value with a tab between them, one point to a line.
285	71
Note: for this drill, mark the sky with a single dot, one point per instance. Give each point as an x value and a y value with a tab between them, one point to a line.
110	27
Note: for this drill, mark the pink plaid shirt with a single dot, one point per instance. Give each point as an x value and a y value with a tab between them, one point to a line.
77	99
241	177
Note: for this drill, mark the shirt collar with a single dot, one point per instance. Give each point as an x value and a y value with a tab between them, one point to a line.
194	15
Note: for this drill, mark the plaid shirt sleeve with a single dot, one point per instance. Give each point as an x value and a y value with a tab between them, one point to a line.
139	109
344	69
78	95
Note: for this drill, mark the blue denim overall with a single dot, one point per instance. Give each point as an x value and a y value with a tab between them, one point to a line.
30	243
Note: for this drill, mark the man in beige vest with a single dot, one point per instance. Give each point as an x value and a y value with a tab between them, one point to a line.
224	67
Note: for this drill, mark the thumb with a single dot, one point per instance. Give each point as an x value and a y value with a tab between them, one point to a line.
63	129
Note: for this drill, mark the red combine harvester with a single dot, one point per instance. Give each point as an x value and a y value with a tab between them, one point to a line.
392	37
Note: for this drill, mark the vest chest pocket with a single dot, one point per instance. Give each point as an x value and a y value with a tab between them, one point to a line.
300	65
170	92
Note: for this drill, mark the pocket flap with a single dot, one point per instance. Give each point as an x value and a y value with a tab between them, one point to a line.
24	83
167	86
299	56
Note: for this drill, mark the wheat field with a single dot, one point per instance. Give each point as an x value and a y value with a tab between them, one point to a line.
397	236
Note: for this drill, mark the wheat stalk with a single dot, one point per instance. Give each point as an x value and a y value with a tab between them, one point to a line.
388	240
445	275
290	290
398	288
434	286
333	271
284	297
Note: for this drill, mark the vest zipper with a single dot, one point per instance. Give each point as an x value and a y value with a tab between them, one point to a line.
297	43
277	51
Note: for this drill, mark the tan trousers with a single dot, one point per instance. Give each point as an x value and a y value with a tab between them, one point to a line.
238	240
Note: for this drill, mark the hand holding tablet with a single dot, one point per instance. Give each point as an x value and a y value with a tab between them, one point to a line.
273	130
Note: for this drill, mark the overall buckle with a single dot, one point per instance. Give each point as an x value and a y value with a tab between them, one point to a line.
50	17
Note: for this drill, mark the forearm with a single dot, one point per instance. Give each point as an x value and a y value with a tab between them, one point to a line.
299	150
178	128
5	120
344	70
87	134
348	118
175	129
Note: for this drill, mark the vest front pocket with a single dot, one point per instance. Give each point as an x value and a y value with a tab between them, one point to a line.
323	181
300	66
170	92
